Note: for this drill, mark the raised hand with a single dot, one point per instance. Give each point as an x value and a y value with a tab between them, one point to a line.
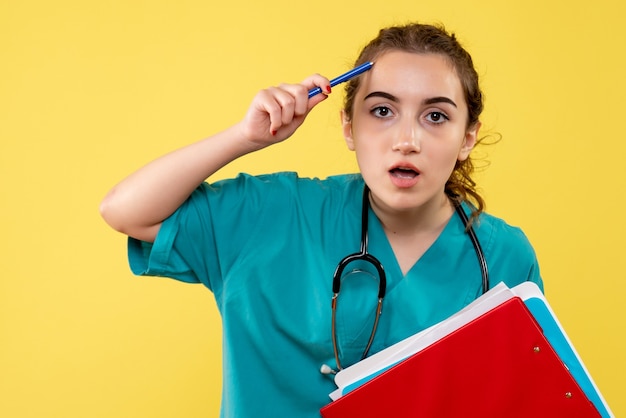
277	112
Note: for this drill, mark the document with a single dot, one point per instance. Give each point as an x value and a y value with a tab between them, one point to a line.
505	354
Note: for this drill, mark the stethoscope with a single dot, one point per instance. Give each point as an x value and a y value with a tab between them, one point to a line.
364	255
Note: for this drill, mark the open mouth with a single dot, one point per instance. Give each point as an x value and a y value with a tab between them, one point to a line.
404	172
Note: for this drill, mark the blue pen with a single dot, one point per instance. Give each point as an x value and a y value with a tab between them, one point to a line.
344	77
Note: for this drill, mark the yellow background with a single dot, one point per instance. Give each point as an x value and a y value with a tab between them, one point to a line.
90	90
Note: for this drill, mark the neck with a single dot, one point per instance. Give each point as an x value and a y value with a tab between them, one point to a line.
430	217
412	231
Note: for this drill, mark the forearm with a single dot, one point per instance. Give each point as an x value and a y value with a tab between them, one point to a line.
140	202
143	200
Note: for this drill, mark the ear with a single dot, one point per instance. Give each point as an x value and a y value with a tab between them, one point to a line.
346	125
471	136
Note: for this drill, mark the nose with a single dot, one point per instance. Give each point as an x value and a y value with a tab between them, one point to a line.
406	139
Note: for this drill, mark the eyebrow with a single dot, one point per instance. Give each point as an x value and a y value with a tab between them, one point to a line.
440	99
429	101
383	95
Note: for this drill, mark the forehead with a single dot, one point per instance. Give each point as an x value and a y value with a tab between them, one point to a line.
406	74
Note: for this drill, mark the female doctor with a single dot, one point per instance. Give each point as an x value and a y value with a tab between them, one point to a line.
268	246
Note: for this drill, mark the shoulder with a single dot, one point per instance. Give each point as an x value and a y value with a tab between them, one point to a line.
510	254
283	185
278	194
287	179
501	237
498	232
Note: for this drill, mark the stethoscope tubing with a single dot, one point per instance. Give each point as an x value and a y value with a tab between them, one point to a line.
364	255
480	255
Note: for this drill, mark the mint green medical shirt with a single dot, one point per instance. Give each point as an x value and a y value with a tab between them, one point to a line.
267	247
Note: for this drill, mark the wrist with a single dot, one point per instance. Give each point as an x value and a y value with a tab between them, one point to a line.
244	140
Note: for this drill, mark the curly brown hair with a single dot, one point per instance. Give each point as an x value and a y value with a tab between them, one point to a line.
431	39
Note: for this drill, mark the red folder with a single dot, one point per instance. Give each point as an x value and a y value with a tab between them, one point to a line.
498	365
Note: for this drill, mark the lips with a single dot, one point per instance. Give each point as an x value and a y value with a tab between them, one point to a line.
404	171
404	175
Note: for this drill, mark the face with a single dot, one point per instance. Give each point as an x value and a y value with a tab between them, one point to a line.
408	129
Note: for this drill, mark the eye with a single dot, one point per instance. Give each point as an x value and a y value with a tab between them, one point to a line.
437	117
381	111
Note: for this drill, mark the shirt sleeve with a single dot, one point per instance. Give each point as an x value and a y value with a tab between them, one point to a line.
528	263
221	224
183	246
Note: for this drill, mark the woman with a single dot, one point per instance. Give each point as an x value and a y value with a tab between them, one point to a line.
267	246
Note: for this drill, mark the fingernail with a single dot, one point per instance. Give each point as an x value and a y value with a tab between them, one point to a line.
274	132
328	89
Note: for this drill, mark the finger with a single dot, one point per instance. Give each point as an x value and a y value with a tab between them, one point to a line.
285	99
267	104
299	93
314	81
